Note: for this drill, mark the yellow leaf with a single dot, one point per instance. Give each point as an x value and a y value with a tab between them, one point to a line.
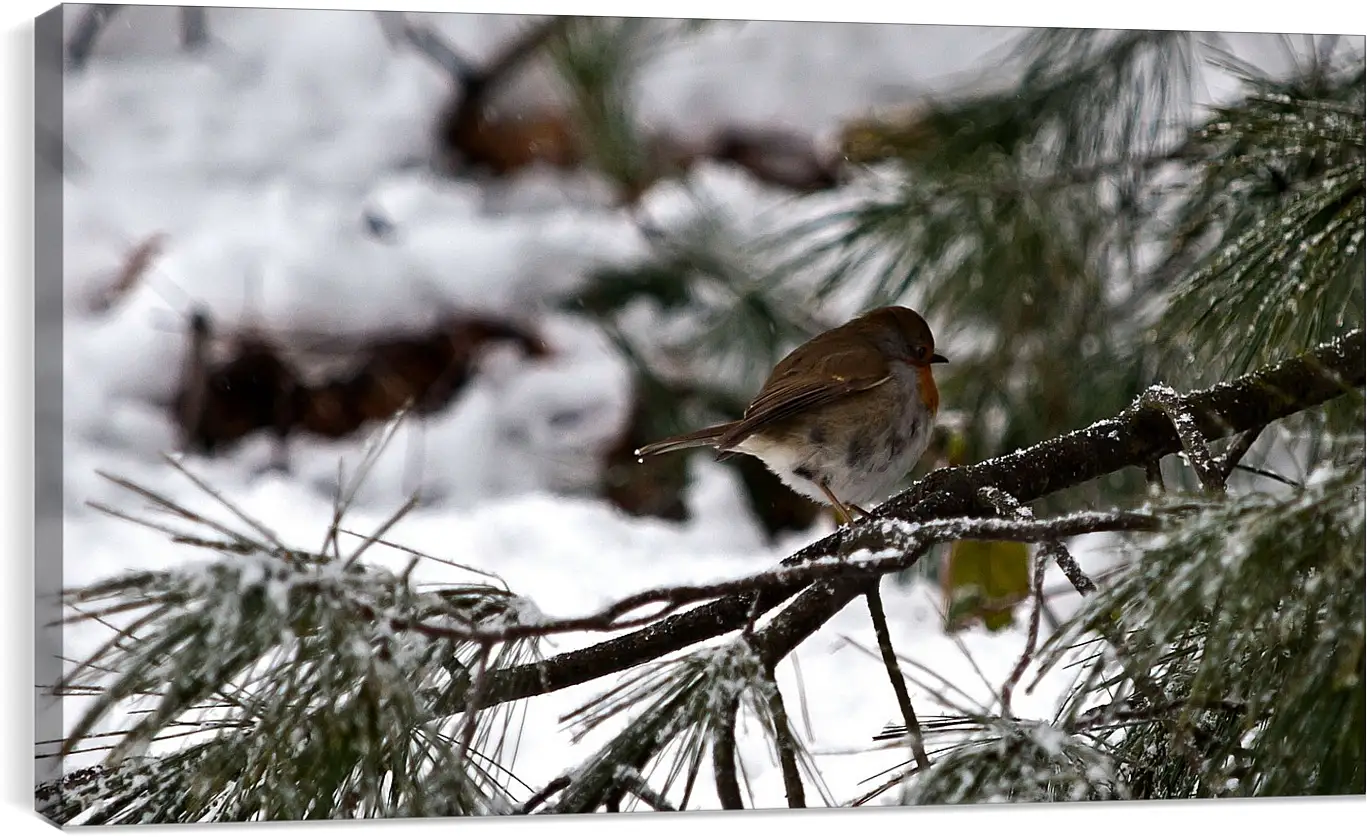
985	580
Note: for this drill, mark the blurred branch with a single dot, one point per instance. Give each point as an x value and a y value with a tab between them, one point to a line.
482	81
194	27
426	41
87	32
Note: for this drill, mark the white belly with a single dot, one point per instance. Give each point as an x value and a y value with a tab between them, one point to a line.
861	485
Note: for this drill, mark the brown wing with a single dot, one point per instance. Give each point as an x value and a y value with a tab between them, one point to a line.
807	379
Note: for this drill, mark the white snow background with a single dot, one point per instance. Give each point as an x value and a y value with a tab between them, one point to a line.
258	159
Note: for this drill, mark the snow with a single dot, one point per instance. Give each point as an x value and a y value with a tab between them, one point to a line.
261	160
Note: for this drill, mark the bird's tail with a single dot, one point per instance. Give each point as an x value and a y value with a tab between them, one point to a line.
696	439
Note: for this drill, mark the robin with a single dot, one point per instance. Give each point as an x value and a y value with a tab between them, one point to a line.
844	417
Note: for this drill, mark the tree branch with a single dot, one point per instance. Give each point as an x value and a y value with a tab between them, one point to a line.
1138	435
787	749
724	757
637	785
899	684
1238	447
894	546
557	785
1032	636
1005	504
426	41
1194	444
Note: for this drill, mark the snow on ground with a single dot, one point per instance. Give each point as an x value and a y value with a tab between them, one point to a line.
259	160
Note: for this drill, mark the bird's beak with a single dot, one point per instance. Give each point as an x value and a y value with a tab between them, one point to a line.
937	358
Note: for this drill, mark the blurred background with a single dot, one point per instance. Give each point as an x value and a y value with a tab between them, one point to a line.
538	243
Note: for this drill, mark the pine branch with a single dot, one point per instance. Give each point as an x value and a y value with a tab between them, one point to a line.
1032	636
787	748
1137	436
947	504
894	546
1238	447
724	757
637	785
1194	445
555	786
1005	504
899	684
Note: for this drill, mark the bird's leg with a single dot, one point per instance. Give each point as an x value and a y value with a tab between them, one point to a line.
842	512
862	512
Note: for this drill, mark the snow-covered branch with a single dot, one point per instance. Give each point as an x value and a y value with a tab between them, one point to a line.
1139	435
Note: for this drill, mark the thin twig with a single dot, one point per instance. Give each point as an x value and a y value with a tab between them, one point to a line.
899	684
901	547
1066	563
749	630
1032	636
1236	450
724	756
1270	475
557	785
637	785
1005	504
1194	443
478	685
787	748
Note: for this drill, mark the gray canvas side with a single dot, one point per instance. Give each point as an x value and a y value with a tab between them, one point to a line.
49	162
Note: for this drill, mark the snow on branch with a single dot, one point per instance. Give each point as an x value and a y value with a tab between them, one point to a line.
1138	435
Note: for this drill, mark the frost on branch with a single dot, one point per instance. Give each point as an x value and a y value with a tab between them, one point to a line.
1018	762
1251	617
293	660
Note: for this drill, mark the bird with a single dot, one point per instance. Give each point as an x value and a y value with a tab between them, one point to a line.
843	417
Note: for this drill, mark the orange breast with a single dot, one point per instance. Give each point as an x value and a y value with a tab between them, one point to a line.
929	393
